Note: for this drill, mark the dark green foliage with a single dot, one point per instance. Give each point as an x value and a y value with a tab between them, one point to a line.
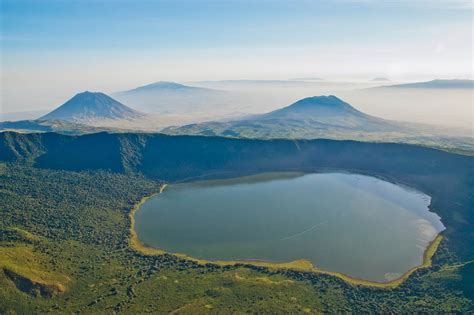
62	207
17	146
467	285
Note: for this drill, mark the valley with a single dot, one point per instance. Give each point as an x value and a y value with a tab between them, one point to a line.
101	186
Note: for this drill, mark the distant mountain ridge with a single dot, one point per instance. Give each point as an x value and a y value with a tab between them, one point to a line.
164	97
307	79
92	106
160	85
437	84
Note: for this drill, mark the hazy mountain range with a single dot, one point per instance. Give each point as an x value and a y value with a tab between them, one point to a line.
380	79
307	79
170	97
309	118
436	84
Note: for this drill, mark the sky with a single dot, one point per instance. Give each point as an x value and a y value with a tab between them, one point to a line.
51	50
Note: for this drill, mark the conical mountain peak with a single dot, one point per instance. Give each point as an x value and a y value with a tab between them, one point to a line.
88	106
316	106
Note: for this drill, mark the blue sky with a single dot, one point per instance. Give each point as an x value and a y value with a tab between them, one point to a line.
79	25
110	45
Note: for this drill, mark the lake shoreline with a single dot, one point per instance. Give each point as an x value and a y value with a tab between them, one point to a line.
299	265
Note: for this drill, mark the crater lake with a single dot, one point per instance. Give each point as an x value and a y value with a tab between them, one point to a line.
357	225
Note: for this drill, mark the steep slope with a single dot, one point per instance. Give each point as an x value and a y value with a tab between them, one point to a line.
177	157
88	107
170	97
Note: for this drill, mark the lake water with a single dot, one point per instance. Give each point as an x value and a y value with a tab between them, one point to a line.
354	224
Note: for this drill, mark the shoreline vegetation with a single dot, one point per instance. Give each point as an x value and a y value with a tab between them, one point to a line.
299	265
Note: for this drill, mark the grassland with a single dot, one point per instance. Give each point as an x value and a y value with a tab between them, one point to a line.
21	264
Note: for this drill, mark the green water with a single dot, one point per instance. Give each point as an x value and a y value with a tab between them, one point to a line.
358	225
